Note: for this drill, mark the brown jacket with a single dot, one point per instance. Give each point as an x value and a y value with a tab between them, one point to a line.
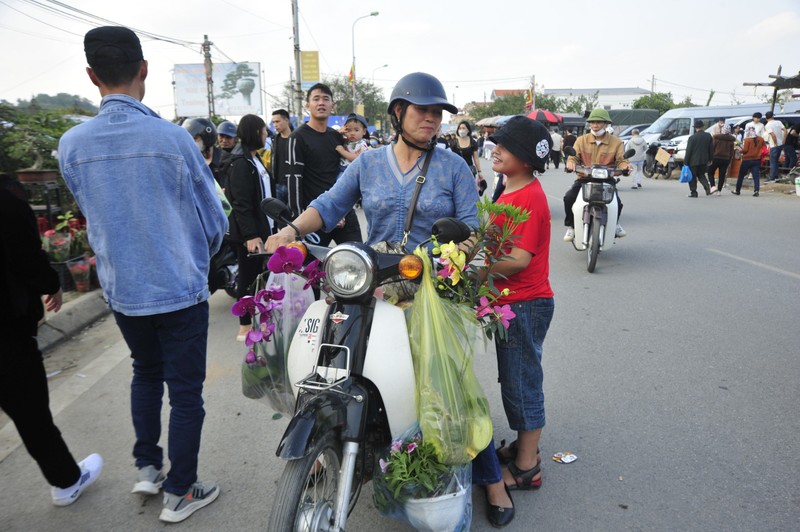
723	146
610	151
752	148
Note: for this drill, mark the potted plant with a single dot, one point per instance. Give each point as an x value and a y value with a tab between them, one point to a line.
81	272
414	484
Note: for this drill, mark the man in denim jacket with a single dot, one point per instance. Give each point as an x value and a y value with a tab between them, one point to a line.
154	220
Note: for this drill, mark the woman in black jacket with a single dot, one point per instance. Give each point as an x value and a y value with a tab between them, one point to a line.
248	184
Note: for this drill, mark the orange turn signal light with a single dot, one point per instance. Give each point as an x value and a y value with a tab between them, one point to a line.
299	246
410	267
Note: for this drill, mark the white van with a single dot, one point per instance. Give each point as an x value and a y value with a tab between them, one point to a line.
677	123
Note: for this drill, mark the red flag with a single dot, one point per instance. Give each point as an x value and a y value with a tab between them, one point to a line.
351	76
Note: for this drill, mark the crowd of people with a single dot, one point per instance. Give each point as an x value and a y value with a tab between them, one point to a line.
156	279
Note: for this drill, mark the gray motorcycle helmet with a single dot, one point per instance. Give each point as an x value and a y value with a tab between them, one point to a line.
421	89
203	127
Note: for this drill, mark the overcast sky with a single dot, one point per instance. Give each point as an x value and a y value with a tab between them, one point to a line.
689	46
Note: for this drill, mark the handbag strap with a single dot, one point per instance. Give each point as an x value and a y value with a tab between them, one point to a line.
413	205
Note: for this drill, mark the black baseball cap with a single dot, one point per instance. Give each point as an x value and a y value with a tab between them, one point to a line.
123	39
526	139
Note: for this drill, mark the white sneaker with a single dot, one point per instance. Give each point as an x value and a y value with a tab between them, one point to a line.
570	236
91	466
179	507
620	232
150	481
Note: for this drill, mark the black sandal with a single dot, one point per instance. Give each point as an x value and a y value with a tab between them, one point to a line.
511	450
523	480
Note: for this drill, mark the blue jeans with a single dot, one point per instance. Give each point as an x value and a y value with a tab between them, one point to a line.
168	348
282	192
486	467
519	362
774	155
750	165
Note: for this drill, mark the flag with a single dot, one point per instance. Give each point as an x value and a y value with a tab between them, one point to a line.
352	76
528	100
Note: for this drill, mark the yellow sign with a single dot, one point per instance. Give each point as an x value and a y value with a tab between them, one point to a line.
309	65
662	156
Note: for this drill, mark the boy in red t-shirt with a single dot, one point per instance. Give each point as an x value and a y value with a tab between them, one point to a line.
523	146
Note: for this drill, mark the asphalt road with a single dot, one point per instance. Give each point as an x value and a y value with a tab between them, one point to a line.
671	372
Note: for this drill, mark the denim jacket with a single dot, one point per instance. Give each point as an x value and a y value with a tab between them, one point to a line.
152	211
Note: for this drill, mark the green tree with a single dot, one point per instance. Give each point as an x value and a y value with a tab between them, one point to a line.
661	101
505	105
28	139
580	104
71	103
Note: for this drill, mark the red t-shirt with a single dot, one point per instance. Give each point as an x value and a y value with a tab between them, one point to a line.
534	237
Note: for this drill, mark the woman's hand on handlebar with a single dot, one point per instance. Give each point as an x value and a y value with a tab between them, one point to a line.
255	245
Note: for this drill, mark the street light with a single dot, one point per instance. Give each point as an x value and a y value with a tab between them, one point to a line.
375	70
353	37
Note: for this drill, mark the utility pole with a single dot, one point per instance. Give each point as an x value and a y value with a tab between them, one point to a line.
653	84
209	69
298	93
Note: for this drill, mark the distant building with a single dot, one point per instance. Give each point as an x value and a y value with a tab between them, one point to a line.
612	98
500	93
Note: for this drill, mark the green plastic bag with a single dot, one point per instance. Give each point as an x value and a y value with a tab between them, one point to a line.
452	409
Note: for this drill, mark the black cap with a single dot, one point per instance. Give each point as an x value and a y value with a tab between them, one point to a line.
117	37
526	139
699	124
769	114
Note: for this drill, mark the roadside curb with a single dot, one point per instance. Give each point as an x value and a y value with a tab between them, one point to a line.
73	317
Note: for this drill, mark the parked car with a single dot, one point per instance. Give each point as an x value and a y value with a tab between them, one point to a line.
625	134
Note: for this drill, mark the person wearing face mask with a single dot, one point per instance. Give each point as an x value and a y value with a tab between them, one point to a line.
465	146
373	142
595	147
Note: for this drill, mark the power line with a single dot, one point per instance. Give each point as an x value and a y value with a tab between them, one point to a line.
39	21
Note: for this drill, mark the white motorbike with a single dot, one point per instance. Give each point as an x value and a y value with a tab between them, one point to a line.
597	207
350	362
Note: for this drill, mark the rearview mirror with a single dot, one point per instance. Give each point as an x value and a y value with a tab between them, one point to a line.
276	209
628	154
450	230
570	151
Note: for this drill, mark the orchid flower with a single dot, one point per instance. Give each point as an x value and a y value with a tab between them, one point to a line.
253	336
285	260
245	305
250	357
411	447
312	273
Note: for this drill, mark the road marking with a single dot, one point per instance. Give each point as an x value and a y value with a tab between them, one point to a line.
756	263
70	390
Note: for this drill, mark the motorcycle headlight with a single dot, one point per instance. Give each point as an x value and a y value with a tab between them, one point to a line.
349	271
600	173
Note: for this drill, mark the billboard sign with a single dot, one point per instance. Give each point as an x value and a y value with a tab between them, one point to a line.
237	89
309	69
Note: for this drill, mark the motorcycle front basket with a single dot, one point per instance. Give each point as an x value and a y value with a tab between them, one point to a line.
597	192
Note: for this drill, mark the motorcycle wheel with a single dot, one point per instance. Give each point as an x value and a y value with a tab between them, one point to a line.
307	489
593	249
648	169
231	288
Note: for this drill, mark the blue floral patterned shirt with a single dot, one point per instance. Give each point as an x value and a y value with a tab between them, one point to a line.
375	176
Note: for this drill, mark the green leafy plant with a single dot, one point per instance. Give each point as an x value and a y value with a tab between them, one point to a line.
412	470
465	273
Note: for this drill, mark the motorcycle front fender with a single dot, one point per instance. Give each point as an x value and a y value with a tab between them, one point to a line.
319	414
